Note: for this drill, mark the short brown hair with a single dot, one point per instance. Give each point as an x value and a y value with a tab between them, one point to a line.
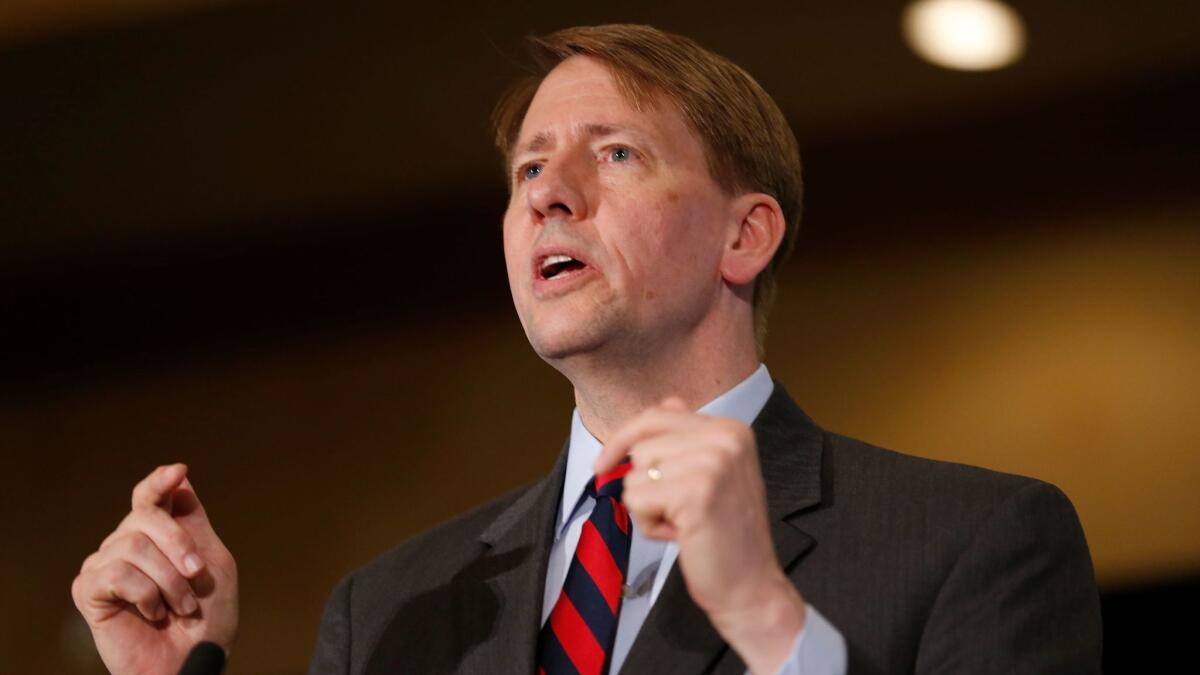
747	140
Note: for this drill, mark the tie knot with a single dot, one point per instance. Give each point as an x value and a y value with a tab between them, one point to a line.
611	483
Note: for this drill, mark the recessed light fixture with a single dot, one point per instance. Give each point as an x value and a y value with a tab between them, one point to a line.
964	34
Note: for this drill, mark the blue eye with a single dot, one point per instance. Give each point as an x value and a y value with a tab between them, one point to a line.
531	171
620	154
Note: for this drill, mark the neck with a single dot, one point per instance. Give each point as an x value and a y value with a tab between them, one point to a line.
610	391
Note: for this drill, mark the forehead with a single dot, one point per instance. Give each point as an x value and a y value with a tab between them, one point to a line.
581	93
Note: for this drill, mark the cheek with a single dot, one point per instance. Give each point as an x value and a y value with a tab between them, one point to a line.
689	231
665	235
664	258
513	253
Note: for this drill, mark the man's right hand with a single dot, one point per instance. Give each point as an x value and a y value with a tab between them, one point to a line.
160	583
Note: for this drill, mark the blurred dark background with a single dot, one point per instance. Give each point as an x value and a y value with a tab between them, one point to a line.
263	238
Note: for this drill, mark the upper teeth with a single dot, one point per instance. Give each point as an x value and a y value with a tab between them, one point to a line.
555	259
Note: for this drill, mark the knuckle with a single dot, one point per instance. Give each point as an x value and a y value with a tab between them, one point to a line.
132	545
142	510
716	462
706	493
111	579
77	589
157	474
713	465
136	496
734	436
220	554
138	544
746	440
176	539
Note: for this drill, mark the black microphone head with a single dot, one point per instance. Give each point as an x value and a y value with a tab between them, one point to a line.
206	658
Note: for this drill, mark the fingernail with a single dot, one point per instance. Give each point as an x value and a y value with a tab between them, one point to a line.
191	563
188	604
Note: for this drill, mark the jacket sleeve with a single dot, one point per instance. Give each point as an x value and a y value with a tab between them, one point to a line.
1022	596
332	654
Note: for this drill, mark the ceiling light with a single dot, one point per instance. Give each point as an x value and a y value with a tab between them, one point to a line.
964	34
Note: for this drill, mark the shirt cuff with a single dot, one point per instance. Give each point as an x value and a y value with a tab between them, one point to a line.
819	648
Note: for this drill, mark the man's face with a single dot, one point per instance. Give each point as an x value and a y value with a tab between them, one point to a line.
614	233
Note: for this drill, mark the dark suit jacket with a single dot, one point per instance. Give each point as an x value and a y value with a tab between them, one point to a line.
923	566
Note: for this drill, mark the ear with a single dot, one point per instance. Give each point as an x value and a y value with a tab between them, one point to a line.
752	242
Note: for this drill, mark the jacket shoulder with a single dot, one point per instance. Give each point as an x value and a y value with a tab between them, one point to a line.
945	504
418	574
858	466
955	555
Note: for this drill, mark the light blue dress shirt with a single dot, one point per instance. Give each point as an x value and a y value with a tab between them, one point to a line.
818	649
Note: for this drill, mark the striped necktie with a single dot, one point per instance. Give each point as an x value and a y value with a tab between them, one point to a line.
578	637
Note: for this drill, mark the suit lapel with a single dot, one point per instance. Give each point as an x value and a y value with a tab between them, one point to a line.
677	637
520	536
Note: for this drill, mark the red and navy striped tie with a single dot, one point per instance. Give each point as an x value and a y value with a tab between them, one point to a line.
578	637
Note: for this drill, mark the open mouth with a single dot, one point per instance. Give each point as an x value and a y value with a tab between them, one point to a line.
559	265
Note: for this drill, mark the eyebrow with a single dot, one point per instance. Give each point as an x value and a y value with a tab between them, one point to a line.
544	140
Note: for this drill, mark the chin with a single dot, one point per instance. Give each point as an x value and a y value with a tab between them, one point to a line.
558	342
559	347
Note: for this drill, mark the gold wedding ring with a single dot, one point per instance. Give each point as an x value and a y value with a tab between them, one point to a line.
654	473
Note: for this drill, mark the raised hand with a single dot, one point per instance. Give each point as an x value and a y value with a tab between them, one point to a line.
696	480
160	583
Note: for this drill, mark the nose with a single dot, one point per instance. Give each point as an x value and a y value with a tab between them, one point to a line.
560	191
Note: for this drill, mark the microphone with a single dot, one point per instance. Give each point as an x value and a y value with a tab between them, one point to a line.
206	658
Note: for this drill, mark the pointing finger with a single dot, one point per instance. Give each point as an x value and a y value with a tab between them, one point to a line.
155	490
187	510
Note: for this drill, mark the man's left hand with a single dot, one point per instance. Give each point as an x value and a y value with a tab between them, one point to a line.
696	480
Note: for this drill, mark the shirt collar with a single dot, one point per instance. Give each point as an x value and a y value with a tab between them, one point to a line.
743	403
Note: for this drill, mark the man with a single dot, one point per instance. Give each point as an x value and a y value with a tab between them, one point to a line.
654	190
